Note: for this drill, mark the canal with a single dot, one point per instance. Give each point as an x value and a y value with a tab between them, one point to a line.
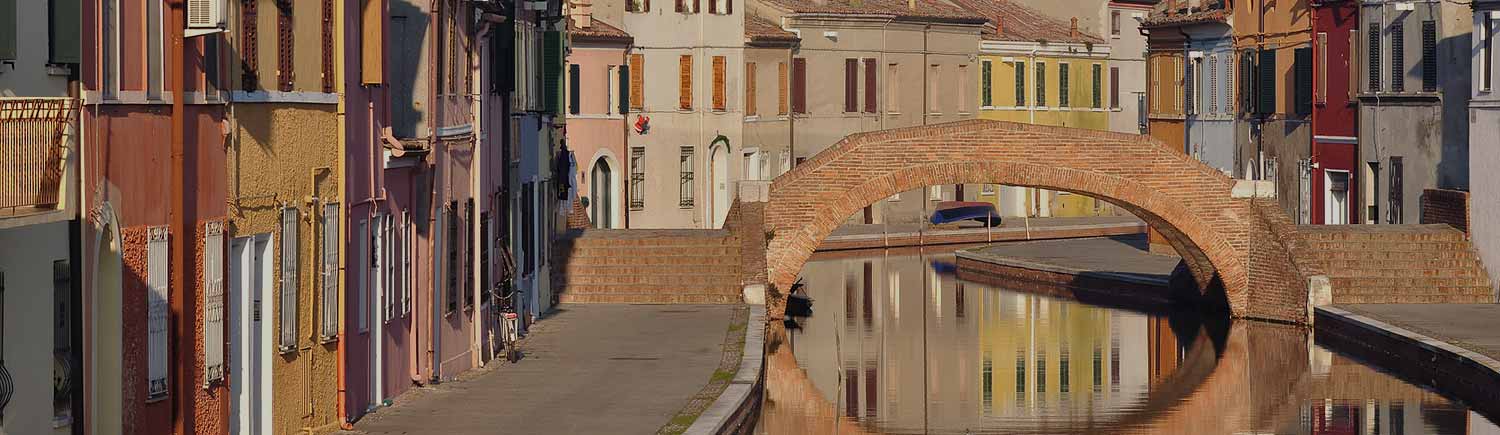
898	344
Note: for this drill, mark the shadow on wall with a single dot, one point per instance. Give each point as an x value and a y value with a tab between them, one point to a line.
1455	74
408	31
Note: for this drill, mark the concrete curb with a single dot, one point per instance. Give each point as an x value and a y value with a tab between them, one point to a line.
1469	375
737	408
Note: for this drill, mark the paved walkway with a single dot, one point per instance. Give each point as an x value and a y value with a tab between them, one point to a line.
1475	327
588	369
1120	257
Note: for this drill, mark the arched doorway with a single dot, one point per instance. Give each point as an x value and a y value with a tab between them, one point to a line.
719	176
602	194
105	373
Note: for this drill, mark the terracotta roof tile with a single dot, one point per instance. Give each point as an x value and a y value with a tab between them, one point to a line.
597	30
926	10
1215	13
1016	22
760	29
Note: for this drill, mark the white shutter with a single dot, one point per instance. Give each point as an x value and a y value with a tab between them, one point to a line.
213	302
157	276
330	272
289	218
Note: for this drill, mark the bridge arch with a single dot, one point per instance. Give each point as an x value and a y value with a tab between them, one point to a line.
1191	204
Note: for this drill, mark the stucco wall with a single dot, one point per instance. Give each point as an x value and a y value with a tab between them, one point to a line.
1127	52
598	130
1484	199
28	75
283	154
768	132
28	317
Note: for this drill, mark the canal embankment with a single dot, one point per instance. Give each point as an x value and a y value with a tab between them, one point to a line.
1452	347
1113	271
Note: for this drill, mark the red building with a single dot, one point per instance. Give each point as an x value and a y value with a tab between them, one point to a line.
1335	111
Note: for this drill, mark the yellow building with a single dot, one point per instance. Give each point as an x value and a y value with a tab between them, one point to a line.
1038	69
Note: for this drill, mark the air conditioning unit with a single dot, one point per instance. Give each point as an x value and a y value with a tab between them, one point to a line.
205	17
1406	6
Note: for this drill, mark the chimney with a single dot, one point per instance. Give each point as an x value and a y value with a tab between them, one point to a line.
999	26
1073	30
582	13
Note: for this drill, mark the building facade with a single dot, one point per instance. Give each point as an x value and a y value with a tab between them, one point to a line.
1127	64
1334	161
1484	132
1413	111
598	86
769	144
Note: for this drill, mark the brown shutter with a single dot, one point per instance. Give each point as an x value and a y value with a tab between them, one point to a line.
372	42
327	46
1114	87
720	74
750	89
681	5
851	85
728	7
781	88
284	46
637	87
870	84
648	6
685	82
799	85
697	6
250	55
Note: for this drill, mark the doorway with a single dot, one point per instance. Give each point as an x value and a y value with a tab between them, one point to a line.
249	274
719	159
601	190
105	372
1335	197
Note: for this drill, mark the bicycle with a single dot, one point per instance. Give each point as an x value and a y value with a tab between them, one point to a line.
506	322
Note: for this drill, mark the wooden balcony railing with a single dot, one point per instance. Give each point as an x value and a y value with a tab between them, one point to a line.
32	150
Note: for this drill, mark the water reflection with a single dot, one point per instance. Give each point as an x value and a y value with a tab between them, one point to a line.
897	344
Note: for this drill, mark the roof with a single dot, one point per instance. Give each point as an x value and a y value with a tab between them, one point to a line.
1162	19
926	10
598	30
761	30
1016	22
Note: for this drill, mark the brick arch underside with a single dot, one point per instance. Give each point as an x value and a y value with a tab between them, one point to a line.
1187	202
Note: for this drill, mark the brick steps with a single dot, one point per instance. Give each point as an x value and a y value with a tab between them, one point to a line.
1397	263
649	266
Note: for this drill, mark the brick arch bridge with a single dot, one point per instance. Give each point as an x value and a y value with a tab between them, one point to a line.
1235	240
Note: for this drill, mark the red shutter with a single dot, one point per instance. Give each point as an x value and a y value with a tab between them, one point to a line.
799	85
681	6
851	85
720	78
697	6
870	84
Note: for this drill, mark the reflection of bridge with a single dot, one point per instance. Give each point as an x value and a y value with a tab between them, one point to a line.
1229	236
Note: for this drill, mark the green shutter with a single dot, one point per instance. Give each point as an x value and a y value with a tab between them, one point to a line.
573	89
1098	86
1063	93
7	29
1304	71
624	89
64	40
1265	83
984	80
1020	84
552	58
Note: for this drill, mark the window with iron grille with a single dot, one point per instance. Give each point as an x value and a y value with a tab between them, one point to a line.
1020	84
329	273
288	317
1429	56
213	302
1373	52
685	192
1398	56
158	313
638	178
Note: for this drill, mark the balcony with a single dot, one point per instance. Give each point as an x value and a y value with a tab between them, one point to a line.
34	154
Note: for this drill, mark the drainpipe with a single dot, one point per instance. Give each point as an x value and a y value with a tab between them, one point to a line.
1187	97
180	224
1031	102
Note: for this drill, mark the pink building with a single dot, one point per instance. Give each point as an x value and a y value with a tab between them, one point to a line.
598	105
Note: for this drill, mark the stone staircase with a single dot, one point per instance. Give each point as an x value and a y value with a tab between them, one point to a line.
1379	264
648	267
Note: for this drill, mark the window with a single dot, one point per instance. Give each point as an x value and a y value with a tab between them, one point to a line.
451	243
289	244
465	231
1213	84
851	85
1266	82
612	92
687	6
637	178
621	89
799	85
1398	57
551	70
1487	53
965	84
9	35
155	59
402	258
870	86
1397	189
1429	56
721	7
1063	99
1114	88
637	81
158	313
685	81
782	89
109	51
934	76
986	94
1303	68
372	42
750	89
573	91
638	6
1020	84
390	296
284	44
1098	83
213	302
720	76
685	182
1247	81
329	272
892	88
1041	84
1188	89
1320	91
1373	52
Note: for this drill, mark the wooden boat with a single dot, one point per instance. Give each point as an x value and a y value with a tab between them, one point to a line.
954	211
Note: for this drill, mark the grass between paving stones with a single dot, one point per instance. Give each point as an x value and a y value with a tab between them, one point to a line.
729	364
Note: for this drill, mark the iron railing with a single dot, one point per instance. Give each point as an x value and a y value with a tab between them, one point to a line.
32	149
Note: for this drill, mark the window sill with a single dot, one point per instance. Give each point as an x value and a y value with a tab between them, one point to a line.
282	350
328	340
157	398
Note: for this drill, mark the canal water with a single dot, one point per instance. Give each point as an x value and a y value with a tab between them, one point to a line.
899	344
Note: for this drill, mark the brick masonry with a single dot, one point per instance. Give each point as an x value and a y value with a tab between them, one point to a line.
1443	206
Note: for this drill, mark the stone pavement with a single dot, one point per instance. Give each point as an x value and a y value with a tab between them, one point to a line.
1475	327
588	369
1121	257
